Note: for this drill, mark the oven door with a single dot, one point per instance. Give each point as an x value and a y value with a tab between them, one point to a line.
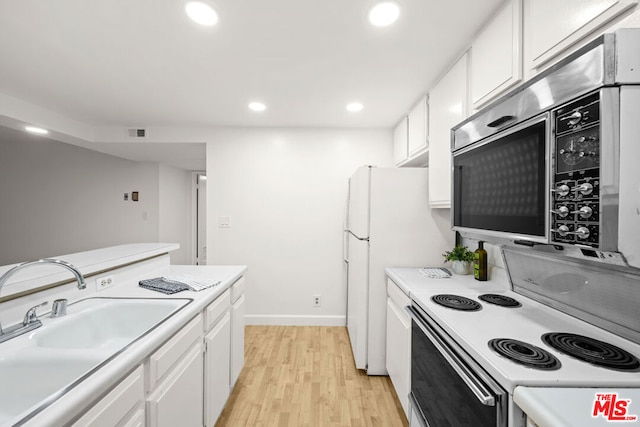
448	388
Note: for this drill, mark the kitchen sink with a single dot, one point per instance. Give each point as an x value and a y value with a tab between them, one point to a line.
29	379
37	368
105	323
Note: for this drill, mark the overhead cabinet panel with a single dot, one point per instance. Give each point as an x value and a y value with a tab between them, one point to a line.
496	55
418	128
400	141
448	107
554	26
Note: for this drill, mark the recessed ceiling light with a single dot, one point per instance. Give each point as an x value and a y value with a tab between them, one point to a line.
201	13
354	107
37	130
384	13
257	106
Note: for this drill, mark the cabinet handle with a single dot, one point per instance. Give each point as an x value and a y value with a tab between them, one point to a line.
500	121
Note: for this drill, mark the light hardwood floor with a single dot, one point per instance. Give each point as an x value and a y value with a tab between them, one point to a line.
305	376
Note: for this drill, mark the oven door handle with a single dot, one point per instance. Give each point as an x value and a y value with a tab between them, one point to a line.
475	385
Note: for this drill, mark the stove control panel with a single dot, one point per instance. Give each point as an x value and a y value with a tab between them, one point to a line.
575	187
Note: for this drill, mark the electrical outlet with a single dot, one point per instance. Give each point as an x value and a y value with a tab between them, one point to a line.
316	300
105	282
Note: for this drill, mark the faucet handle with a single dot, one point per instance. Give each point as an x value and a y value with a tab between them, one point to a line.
59	308
31	316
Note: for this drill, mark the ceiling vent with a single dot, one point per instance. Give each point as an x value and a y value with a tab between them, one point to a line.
137	133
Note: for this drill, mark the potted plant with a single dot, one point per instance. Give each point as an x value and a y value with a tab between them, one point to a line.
461	258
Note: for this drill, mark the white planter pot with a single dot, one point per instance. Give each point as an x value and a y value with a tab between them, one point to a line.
461	267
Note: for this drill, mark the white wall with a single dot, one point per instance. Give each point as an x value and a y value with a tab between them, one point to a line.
284	191
57	198
175	212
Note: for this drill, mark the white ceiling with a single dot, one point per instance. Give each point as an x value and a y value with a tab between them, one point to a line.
140	63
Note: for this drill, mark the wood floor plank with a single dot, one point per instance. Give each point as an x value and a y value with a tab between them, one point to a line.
304	376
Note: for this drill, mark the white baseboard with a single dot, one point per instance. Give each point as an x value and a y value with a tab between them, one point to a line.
294	320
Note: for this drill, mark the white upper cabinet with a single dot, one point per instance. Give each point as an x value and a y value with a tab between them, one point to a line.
410	137
552	26
496	55
418	128
448	107
401	142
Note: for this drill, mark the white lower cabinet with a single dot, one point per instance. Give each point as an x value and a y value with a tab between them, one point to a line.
178	400
237	330
399	343
117	407
217	366
137	419
186	382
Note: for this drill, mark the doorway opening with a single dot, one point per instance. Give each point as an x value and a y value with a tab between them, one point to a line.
200	218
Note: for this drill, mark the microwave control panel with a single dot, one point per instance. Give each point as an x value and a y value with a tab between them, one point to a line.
575	213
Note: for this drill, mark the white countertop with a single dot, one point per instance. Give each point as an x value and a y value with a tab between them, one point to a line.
84	393
411	281
560	407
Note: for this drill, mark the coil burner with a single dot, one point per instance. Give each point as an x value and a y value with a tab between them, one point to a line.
593	351
456	302
524	354
501	300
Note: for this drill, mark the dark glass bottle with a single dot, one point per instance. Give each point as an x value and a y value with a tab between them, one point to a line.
480	263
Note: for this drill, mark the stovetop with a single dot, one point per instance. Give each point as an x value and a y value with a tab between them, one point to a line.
529	325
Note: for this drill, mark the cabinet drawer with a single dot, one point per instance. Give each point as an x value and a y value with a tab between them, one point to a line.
237	289
216	310
397	295
137	419
114	407
171	352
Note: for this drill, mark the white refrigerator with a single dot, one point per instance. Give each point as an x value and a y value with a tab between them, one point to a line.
388	223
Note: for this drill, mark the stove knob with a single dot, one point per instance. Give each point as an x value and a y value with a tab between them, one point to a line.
585	188
582	232
562	190
575	118
562	230
562	211
584	212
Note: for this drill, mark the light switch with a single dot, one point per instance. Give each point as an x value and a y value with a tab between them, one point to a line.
224	222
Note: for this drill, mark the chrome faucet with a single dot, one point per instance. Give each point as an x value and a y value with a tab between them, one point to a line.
65	264
31	321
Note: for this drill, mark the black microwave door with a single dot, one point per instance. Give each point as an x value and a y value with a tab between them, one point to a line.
500	185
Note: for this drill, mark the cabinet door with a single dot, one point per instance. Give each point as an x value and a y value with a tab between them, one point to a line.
217	369
496	55
161	362
178	400
448	107
554	26
113	409
418	128
237	339
400	141
399	352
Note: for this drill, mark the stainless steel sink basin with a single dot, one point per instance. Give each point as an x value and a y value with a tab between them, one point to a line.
36	368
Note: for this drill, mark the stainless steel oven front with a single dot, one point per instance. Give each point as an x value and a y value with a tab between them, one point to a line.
448	387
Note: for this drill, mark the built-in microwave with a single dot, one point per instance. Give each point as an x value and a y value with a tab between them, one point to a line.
555	161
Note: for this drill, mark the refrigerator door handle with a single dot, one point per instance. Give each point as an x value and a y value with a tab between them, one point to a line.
365	239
